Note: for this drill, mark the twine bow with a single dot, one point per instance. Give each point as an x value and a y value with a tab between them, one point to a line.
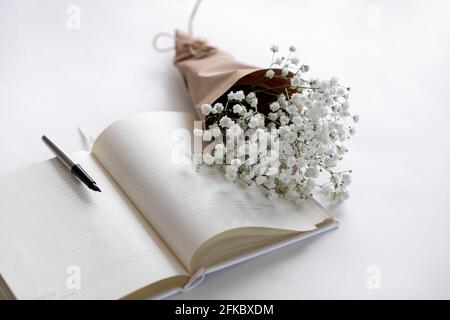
187	47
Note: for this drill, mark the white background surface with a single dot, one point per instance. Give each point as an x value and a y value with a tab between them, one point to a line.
394	54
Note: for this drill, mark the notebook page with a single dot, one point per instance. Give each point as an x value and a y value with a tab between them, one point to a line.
54	229
187	207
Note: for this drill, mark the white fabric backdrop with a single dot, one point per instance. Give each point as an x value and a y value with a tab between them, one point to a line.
394	55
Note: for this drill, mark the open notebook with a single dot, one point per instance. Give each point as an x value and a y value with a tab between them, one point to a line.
157	228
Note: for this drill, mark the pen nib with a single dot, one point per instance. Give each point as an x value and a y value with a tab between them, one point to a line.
94	187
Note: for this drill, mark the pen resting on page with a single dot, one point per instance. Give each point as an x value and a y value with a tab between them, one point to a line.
74	167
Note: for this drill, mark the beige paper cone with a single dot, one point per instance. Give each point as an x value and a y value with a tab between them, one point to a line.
209	72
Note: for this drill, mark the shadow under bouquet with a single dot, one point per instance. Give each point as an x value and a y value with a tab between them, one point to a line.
270	128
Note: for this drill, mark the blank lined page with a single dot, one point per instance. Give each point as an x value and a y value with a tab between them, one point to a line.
187	206
53	228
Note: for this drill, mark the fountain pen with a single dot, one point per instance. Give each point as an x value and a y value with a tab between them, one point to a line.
74	167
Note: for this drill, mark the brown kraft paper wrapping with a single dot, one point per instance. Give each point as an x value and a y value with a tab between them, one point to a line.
209	72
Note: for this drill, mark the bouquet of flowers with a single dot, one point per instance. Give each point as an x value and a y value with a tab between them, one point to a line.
271	128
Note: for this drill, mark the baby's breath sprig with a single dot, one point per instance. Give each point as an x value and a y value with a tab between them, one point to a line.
283	138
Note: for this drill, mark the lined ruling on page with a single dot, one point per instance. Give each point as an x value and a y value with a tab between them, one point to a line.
53	228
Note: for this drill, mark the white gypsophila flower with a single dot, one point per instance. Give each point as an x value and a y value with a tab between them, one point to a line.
253	123
295	60
237	108
261	120
208	158
312	172
270	73
297	120
317	111
225	122
345	106
298	99
292	49
296	81
238	95
327	190
218	107
206	109
231	172
252	100
324	85
291	140
284	119
304	68
250	96
334	81
274	106
236	163
340	92
274	48
282	101
346	179
291	109
207	135
219	151
273	116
